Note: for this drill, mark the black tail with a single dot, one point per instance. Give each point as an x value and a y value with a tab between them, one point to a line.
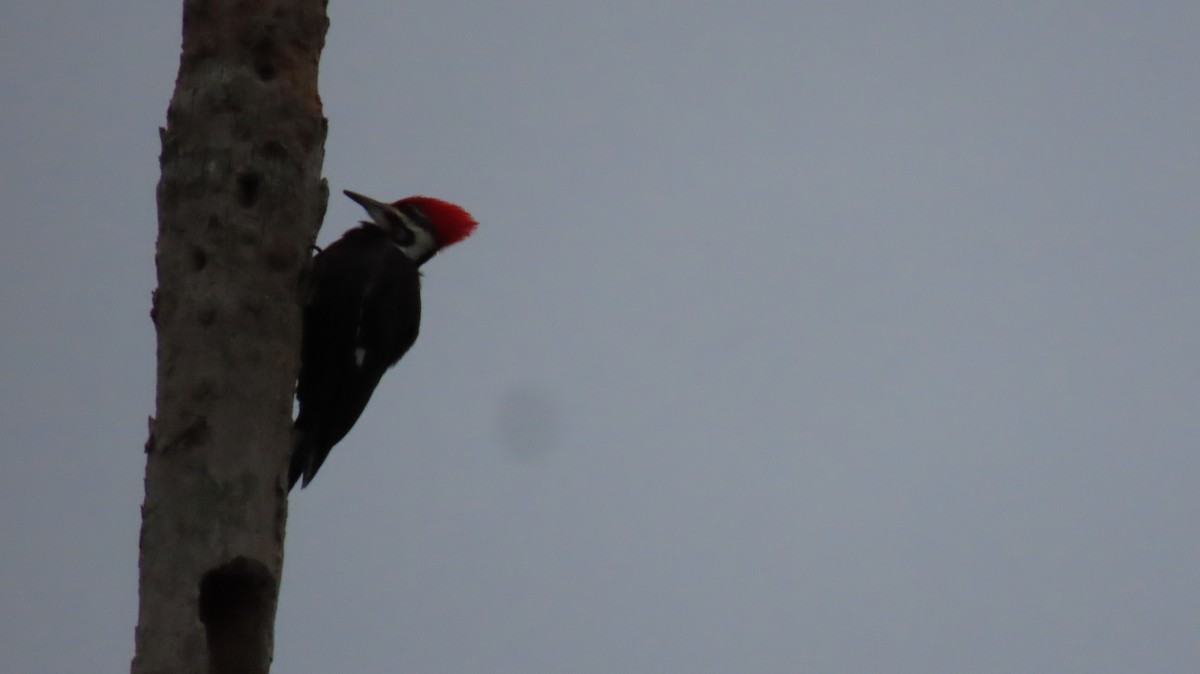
308	453
322	423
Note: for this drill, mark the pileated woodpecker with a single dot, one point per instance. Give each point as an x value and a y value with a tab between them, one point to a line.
362	315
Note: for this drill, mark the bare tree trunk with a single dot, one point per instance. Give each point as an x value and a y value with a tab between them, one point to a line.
239	205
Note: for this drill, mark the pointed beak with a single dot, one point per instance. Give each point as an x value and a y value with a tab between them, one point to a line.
376	209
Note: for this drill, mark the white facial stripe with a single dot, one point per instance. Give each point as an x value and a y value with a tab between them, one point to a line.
360	355
405	221
421	246
416	242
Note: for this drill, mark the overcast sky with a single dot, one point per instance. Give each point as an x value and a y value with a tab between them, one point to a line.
796	337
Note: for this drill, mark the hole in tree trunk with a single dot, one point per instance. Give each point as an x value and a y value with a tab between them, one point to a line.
248	189
236	603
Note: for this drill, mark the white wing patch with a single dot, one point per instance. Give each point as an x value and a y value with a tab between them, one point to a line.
360	352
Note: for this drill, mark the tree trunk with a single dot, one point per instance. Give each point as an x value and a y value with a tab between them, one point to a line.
239	204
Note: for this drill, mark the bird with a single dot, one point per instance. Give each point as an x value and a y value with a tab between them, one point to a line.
361	315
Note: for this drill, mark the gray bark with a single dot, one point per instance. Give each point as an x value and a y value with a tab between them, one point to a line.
239	204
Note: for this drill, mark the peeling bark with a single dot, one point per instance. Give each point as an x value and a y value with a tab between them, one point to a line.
239	204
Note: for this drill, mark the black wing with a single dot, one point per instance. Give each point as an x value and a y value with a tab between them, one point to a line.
363	314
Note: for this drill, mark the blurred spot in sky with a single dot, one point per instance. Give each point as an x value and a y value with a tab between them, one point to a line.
528	422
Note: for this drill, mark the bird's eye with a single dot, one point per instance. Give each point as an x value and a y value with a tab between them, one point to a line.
398	226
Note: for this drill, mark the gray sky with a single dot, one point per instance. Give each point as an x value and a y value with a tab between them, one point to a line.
796	337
